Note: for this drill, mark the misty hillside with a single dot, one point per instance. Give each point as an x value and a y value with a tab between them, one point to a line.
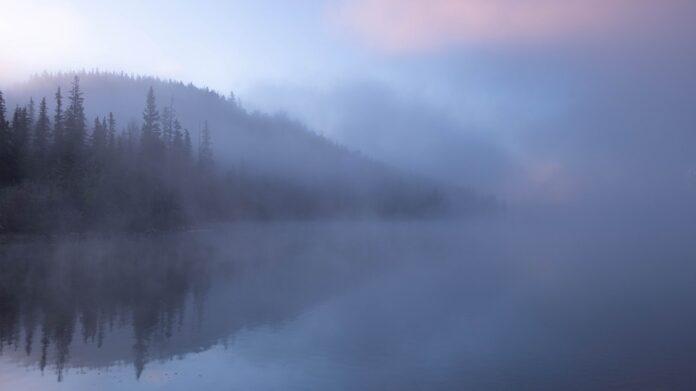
268	145
271	144
182	156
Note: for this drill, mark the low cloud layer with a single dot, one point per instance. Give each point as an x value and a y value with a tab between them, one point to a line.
560	128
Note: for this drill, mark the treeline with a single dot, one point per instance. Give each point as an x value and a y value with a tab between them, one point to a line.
57	173
61	173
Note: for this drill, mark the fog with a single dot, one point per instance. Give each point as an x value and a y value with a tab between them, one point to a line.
333	195
492	304
568	127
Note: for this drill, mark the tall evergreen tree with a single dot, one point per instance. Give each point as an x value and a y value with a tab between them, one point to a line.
75	123
42	133
205	149
177	140
150	132
168	117
5	145
99	138
19	144
58	123
31	112
111	131
3	113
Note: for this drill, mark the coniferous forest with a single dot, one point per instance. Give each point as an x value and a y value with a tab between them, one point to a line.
63	172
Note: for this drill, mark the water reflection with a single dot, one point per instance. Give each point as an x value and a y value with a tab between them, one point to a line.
56	291
349	306
94	302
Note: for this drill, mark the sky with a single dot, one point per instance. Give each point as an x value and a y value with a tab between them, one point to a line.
527	99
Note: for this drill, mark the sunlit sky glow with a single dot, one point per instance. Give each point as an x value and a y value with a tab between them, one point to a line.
226	43
220	44
399	25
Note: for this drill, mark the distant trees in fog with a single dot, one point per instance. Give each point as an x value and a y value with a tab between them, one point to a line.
61	172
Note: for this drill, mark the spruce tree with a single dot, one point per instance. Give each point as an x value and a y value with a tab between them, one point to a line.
99	138
205	150
168	117
75	123
58	120
3	113
5	144
151	137
111	131
19	144
177	140
42	133
31	112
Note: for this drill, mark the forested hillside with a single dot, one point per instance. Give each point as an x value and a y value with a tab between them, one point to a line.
69	165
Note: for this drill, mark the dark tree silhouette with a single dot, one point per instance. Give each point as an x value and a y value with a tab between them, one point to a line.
99	139
19	144
75	122
3	112
151	132
111	131
168	116
31	112
42	137
58	121
205	150
5	168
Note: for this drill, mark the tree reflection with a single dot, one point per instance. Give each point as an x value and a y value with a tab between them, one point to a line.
56	291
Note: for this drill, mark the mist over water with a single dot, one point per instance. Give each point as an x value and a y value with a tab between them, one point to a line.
486	304
395	195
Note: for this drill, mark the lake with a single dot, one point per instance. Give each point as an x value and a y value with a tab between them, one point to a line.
487	304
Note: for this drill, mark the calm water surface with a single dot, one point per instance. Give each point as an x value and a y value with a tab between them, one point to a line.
485	305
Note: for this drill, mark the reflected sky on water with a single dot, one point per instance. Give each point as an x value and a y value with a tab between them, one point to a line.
352	305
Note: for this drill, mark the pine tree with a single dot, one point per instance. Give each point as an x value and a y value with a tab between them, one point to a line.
111	131
75	127
5	145
58	118
31	113
3	113
205	150
151	138
99	139
168	117
19	144
177	139
42	133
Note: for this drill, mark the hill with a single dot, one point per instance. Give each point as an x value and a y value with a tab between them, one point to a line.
264	166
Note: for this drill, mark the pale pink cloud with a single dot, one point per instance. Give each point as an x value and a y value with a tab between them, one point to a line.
399	25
